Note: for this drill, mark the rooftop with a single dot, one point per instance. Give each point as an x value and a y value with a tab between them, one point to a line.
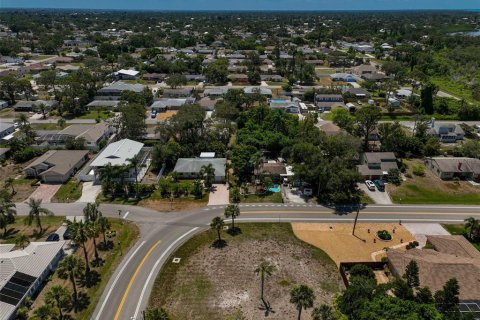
117	153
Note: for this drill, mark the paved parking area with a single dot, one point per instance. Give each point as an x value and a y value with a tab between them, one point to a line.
45	192
379	197
219	195
293	195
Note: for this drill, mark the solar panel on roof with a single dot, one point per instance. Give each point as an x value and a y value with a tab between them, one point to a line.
9	300
14	290
24	277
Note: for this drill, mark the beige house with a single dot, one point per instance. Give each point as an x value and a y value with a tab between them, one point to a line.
56	166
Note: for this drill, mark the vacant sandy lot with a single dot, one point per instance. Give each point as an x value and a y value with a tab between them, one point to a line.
339	243
212	283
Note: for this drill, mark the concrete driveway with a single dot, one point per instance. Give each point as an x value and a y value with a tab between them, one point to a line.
379	197
421	230
219	195
45	192
90	192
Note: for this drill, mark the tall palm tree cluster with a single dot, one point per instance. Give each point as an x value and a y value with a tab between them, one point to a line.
113	178
473	227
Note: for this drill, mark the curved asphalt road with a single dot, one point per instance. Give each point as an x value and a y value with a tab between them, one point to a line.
128	290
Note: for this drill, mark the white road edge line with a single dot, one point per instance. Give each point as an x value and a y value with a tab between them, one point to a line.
137	309
126	214
115	281
273	219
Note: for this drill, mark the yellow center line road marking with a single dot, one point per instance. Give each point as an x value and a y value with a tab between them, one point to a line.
362	212
117	314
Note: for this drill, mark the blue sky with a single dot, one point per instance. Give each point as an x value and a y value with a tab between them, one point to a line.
245	4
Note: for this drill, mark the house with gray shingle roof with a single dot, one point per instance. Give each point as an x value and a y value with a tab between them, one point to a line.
189	168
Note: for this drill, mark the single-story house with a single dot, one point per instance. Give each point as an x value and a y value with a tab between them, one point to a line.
375	76
271	77
458	167
451	257
364	69
118	154
189	168
447	132
3	104
93	134
375	165
403	93
125	74
273	169
325	102
6	129
29	106
154	77
207	103
195	77
358	93
264	91
114	91
56	166
23	272
164	104
109	104
289	106
177	93
238	77
215	91
331	129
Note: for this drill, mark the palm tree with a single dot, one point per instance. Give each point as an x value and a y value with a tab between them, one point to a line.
7	212
44	312
9	183
265	269
134	163
217	224
21	241
197	188
80	236
61	123
302	297
22	119
232	211
208	173
324	312
35	211
472	224
236	197
106	176
92	214
103	227
60	296
69	268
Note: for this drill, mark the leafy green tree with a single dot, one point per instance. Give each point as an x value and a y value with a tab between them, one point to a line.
58	296
432	147
302	297
197	188
70	268
217	71
324	312
21	240
426	95
343	119
156	314
403	290
132	123
361	270
473	225
367	119
217	224
411	274
424	296
265	269
446	300
208	174
236	195
7	213
176	80
10	183
61	123
254	77
36	210
232	211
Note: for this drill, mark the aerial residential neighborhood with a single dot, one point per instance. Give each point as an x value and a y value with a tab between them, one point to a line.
223	164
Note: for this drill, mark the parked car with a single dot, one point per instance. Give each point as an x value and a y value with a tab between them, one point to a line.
67	235
307	192
53	237
153	114
370	185
380	185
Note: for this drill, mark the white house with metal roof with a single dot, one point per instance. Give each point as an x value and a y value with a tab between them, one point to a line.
22	272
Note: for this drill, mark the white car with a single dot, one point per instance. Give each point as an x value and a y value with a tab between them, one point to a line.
370	185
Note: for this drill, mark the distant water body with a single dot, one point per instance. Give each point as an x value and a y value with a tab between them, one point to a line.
467	33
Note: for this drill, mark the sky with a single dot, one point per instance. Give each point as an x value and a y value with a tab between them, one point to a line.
244	4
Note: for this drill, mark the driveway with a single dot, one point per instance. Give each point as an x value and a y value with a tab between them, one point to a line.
293	195
379	197
421	230
219	195
45	192
90	192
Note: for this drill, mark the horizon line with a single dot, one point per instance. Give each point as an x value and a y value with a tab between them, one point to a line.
243	10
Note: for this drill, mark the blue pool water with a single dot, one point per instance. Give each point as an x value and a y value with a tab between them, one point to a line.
275	188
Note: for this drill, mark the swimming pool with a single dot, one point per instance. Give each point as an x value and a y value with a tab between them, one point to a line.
275	188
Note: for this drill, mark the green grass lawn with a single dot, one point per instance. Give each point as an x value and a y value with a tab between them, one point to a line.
68	192
419	193
49	224
327	116
459	229
269	197
457	89
96	114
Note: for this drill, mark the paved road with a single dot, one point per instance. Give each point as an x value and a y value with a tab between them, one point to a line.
128	290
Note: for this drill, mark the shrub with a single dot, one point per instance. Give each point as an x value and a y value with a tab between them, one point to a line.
384	235
361	270
419	170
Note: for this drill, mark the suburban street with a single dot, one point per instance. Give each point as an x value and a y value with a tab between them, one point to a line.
128	290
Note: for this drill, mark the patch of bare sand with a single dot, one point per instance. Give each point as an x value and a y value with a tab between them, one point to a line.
339	243
217	284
